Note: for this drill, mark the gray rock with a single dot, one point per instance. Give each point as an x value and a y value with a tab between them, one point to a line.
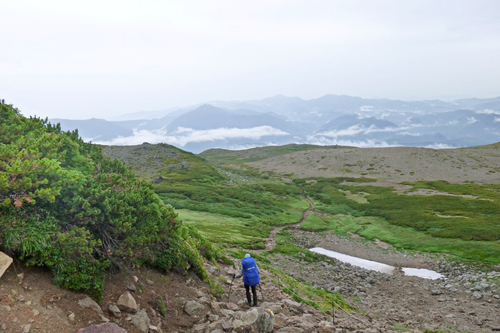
103	328
114	310
131	287
5	262
325	327
290	330
200	327
194	308
227	326
127	303
88	302
477	295
257	320
141	320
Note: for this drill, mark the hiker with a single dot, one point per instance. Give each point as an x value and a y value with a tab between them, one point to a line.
250	273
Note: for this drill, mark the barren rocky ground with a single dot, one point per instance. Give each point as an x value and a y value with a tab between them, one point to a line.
466	301
396	164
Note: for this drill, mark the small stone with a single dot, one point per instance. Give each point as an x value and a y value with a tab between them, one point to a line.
103	328
35	312
127	303
131	287
27	328
71	316
88	302
114	310
148	281
227	326
5	262
141	321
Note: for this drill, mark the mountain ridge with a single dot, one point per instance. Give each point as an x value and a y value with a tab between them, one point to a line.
282	120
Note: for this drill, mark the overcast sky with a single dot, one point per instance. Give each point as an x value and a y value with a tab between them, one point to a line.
84	59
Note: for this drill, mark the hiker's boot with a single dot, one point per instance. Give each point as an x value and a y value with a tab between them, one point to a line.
255	304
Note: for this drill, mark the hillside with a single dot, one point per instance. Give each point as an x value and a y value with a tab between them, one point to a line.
394	164
276	203
162	163
64	206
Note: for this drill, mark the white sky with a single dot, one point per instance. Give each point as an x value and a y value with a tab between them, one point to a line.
81	59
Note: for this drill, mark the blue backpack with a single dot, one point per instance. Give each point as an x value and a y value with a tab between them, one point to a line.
250	272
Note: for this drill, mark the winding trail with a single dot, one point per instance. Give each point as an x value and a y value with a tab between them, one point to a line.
271	240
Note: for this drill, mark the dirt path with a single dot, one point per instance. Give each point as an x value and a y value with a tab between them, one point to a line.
271	240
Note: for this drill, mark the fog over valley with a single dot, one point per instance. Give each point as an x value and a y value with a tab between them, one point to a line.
329	120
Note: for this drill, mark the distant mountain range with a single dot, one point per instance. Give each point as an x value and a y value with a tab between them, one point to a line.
329	120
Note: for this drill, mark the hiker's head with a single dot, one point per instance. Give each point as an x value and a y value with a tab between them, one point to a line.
247	255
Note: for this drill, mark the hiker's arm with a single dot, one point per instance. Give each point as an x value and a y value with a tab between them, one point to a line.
239	275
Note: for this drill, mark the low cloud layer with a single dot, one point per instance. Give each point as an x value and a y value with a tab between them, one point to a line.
322	141
356	129
184	136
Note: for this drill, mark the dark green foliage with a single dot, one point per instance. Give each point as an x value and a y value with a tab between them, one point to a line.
263	200
65	206
464	211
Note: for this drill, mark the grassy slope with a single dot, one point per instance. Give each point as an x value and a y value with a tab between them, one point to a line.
230	208
163	163
236	208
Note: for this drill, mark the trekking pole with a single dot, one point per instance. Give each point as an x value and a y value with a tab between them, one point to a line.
261	294
230	288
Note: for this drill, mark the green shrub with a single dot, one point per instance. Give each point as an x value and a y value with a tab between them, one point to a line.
65	206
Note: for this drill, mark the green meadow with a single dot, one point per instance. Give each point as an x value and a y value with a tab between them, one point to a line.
236	208
462	221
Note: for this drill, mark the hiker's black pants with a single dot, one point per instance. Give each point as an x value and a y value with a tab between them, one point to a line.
254	292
